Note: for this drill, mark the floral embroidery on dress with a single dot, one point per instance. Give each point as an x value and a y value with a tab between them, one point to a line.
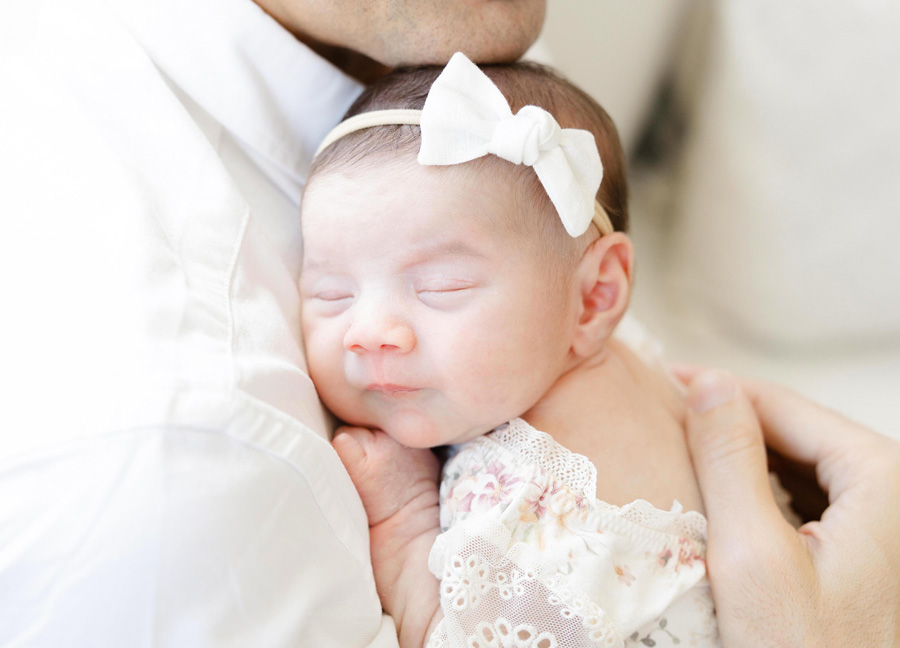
625	575
528	547
648	639
535	501
490	487
664	557
687	553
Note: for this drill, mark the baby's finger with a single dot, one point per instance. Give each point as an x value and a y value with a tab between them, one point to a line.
350	445
359	433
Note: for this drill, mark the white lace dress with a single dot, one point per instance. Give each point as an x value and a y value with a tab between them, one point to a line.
530	558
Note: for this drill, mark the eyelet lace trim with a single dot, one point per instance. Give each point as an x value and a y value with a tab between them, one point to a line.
472	581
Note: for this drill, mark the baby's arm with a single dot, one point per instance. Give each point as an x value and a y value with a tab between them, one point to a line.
398	487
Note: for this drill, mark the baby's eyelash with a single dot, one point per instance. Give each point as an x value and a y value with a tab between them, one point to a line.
445	287
446	295
332	296
444	290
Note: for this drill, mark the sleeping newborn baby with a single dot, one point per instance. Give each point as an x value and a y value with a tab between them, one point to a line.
464	271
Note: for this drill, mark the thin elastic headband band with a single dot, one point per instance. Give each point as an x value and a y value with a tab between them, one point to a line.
362	121
412	117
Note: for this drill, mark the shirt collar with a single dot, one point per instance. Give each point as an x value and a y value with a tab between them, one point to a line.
269	90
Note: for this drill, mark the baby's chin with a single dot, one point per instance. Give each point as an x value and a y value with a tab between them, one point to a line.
416	429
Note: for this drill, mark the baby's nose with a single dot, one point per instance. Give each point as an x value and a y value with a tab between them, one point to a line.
380	334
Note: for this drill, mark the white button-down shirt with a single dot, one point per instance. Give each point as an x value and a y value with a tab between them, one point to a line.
166	477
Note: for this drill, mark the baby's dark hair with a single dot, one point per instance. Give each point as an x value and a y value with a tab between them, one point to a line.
522	84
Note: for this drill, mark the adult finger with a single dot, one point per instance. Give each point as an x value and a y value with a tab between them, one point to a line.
686	372
729	457
799	428
792	425
853	464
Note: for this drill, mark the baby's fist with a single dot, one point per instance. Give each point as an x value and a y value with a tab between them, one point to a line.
388	475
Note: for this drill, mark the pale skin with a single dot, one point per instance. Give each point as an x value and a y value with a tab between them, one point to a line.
439	347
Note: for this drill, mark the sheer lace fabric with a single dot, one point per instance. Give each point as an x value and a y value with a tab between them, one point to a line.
530	558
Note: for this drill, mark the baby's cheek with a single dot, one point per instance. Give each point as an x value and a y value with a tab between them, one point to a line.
325	365
470	359
315	350
483	371
514	376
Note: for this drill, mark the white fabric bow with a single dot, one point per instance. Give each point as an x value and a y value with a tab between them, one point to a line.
466	117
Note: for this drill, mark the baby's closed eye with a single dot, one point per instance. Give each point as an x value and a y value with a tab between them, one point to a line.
331	295
444	293
326	298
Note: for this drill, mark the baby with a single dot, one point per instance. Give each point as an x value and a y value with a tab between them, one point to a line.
461	287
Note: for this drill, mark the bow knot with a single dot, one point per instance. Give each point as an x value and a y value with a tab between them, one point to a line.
521	138
466	117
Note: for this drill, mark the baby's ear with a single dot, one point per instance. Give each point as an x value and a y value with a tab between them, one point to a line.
604	281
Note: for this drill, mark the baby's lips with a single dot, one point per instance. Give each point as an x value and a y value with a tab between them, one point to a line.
392	389
386	386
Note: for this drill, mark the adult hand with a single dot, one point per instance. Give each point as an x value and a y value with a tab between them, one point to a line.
833	582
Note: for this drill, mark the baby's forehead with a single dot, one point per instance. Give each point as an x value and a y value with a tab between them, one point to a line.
491	191
411	211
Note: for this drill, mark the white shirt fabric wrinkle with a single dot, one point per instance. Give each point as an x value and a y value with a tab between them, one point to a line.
248	73
252	79
166	477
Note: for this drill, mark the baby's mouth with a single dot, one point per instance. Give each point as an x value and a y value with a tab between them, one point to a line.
390	389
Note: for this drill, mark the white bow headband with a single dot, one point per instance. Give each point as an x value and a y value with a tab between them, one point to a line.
466	117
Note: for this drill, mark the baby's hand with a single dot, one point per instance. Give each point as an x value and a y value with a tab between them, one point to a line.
388	476
398	487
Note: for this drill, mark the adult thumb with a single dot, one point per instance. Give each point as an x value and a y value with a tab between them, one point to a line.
729	455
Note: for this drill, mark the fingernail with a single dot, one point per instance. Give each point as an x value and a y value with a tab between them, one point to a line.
683	371
711	389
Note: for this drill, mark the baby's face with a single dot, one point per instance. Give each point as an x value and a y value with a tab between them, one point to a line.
421	316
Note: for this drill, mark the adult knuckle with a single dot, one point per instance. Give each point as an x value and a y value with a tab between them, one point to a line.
732	441
878	467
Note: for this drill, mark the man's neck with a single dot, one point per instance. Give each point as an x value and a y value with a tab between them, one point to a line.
359	66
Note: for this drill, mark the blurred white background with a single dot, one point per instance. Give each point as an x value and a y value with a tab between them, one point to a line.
765	155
